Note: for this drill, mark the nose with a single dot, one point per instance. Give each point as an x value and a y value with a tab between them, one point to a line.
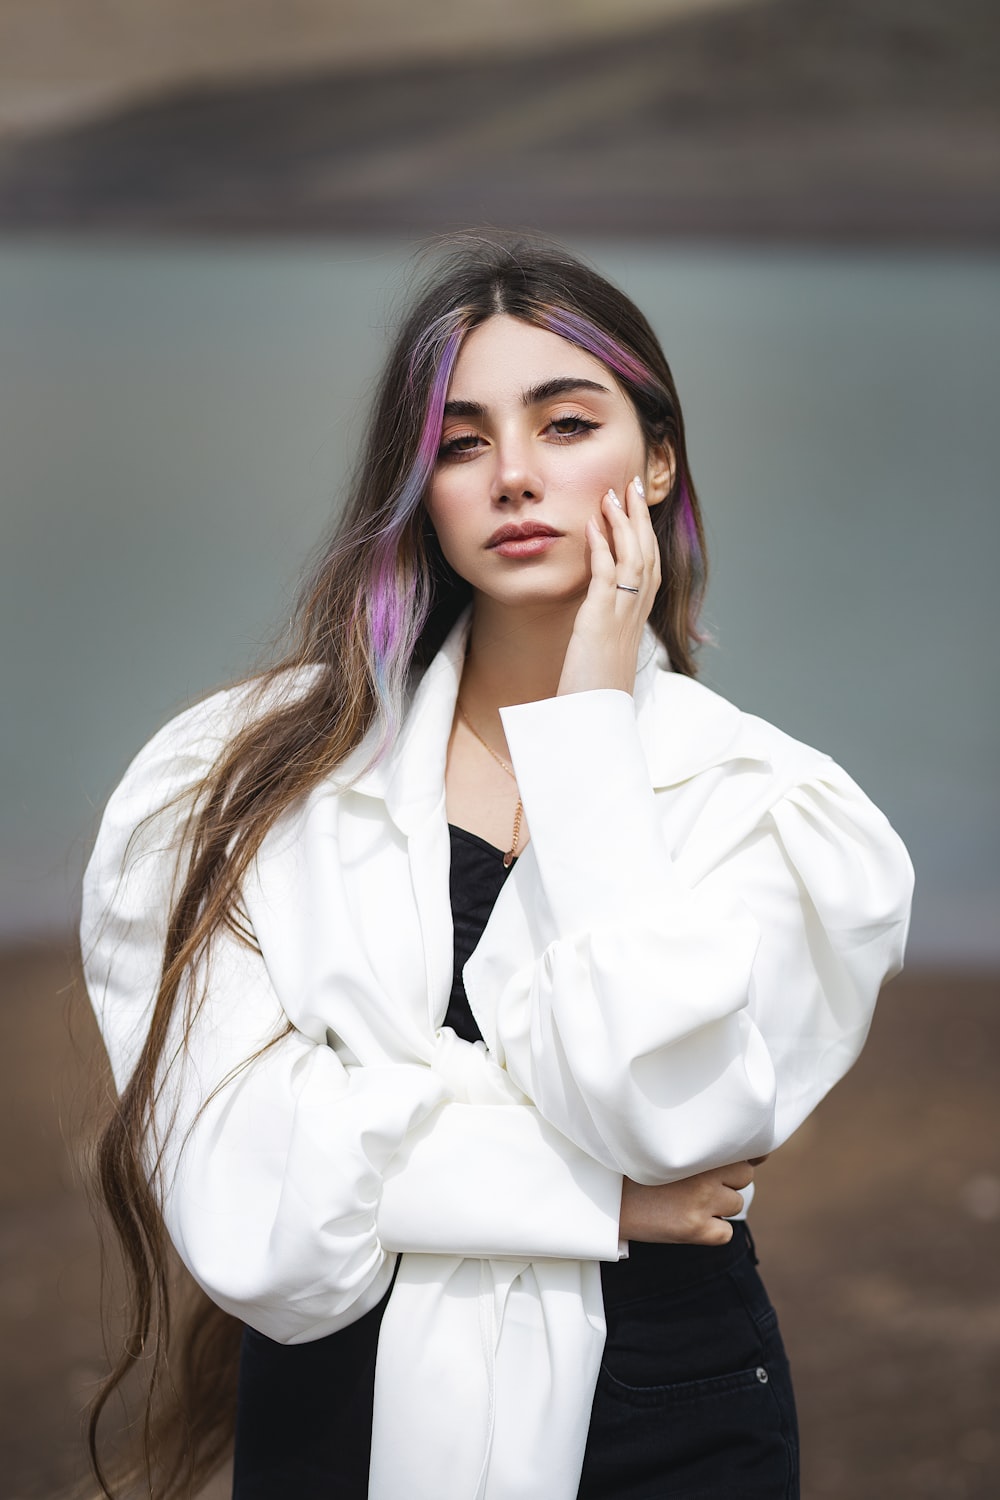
516	479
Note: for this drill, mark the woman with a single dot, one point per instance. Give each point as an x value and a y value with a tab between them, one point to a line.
456	973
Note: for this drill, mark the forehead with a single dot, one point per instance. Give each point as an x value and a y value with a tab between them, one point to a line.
504	357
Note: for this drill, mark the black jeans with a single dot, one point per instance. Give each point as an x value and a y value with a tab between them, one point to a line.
694	1399
693	1402
304	1415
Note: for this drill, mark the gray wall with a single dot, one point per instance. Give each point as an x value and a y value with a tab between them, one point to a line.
176	422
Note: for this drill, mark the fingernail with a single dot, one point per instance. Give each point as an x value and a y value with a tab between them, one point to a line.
614	499
640	488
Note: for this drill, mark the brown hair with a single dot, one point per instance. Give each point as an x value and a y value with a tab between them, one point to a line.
376	609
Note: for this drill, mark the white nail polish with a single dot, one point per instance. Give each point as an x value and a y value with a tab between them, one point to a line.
614	499
640	488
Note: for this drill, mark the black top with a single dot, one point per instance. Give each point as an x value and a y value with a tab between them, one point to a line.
477	878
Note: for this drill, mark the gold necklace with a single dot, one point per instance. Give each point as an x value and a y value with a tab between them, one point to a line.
511	853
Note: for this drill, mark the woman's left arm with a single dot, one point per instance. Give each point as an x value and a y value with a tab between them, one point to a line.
673	1013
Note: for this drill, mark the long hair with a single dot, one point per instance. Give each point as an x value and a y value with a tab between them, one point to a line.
375	610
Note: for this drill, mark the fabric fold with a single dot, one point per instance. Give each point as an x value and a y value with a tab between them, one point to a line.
469	1349
485	1378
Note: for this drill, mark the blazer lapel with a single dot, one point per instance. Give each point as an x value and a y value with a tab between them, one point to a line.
415	800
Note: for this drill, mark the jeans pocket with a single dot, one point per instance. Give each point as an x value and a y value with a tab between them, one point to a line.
678	1393
709	1439
694	1398
685	1333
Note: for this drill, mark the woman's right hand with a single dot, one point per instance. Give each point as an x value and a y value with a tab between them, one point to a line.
690	1212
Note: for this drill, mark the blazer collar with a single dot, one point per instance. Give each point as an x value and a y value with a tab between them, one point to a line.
409	778
684	727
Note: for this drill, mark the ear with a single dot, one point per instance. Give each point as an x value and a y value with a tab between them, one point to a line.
660	470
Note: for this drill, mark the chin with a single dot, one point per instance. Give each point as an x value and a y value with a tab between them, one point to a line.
537	591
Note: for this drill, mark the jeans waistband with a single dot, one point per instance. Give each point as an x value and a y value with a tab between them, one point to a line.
650	1269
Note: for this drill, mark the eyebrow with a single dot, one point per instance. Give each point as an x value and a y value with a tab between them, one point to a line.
562	385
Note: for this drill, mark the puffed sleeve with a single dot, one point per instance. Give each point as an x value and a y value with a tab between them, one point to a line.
687	971
273	1152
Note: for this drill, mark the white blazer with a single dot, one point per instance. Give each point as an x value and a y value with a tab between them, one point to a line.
682	963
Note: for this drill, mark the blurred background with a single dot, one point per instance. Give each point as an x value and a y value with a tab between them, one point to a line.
209	212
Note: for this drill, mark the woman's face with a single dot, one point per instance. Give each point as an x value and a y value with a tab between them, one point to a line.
536	431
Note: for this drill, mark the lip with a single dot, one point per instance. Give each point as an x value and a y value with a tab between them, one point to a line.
513	541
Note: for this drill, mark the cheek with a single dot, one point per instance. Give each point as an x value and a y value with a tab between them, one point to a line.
445	512
589	473
436	503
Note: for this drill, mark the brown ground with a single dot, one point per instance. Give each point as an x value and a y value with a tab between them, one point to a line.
878	1228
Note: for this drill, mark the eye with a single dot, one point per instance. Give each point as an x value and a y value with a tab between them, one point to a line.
463	445
572	426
